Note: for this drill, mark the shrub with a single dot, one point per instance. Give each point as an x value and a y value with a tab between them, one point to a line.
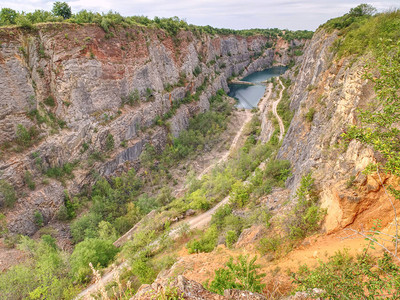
197	71
25	137
29	181
49	101
230	238
242	275
206	243
219	216
8	193
38	218
60	173
306	215
96	251
143	270
270	244
239	194
309	116
346	277
109	142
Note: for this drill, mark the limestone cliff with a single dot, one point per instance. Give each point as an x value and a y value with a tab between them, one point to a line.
89	93
325	96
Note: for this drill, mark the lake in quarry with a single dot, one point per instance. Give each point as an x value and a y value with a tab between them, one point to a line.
248	96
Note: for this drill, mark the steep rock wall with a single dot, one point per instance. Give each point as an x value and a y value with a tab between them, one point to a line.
78	77
335	89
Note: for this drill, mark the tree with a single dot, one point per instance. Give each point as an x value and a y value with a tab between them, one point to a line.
7	16
363	10
62	9
96	251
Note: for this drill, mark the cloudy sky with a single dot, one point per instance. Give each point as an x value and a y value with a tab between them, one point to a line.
236	14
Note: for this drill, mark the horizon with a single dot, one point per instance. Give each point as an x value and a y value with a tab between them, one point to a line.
292	15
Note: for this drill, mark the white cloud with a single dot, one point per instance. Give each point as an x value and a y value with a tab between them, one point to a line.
237	14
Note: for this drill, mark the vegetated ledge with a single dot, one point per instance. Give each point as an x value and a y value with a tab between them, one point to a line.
109	91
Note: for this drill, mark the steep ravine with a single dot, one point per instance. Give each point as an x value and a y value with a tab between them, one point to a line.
77	77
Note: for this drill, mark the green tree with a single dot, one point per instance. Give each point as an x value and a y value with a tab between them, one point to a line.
96	251
62	9
8	16
363	10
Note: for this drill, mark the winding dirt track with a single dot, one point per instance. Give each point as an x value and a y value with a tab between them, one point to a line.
233	146
274	111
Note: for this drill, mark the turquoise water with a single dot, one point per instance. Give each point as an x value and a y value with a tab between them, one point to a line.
248	96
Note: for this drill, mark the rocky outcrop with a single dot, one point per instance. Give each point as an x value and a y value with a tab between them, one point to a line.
80	87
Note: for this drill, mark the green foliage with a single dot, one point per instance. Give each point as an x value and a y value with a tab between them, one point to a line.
109	142
49	101
44	275
26	137
8	16
206	243
379	125
197	71
38	218
305	217
7	191
231	238
309	116
96	251
219	216
28	179
240	194
346	277
111	202
356	15
143	270
63	172
270	244
365	33
242	275
62	9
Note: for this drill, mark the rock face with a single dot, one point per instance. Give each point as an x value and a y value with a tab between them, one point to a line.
335	89
80	87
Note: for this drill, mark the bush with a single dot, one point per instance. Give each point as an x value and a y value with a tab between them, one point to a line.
242	275
8	193
109	142
231	238
309	116
270	244
49	101
346	277
96	251
29	181
206	243
38	218
239	194
306	215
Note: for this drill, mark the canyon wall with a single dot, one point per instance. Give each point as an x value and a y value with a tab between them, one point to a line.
335	89
95	99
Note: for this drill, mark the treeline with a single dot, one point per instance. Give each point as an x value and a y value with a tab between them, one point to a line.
62	13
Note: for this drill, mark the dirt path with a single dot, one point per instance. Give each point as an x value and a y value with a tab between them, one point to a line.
235	141
274	111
